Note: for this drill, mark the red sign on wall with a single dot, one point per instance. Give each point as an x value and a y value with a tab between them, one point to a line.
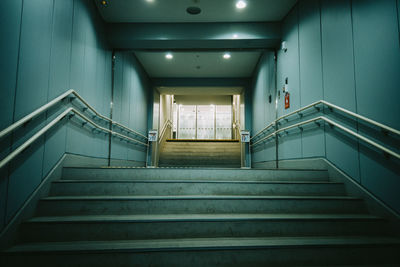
287	100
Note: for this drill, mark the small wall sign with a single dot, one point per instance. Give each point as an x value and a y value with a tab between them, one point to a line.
245	136
153	135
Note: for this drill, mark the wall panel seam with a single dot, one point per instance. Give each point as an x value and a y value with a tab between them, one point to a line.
48	87
70	66
14	107
298	65
355	87
398	19
322	68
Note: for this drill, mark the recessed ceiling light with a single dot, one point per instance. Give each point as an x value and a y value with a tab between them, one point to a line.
104	3
235	36
169	56
241	4
193	10
227	56
150	1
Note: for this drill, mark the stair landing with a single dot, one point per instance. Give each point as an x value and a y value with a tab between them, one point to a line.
200	153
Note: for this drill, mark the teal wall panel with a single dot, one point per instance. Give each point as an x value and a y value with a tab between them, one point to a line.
10	23
31	93
398	17
34	58
131	87
377	65
337	50
48	47
25	176
288	67
377	72
310	52
346	52
263	112
380	176
311	85
58	78
76	138
89	66
339	82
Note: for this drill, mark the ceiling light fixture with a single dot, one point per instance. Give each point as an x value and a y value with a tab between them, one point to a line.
193	10
150	1
169	56
235	36
241	4
227	56
104	3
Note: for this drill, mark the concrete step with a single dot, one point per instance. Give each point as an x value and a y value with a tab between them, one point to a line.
193	187
200	154
207	165
133	227
108	205
222	156
198	151
186	159
203	144
194	173
273	251
199	164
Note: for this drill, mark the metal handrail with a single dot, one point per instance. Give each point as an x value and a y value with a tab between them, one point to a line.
42	131
237	129
331	122
56	100
165	127
323	102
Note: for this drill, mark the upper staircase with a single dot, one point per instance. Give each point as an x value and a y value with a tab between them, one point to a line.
202	217
200	153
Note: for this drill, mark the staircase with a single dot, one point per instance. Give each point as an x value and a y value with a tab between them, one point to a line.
201	217
200	153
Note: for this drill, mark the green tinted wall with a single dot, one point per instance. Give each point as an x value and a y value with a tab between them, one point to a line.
347	53
48	47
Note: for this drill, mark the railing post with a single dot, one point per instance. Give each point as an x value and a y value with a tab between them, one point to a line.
152	149
276	146
245	149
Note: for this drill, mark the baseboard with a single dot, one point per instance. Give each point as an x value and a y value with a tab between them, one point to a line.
127	163
9	235
374	204
305	164
75	160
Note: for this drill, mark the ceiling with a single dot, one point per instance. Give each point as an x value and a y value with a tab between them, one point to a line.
171	11
200	90
198	64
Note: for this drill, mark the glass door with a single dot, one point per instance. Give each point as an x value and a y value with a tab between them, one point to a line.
187	122
224	122
205	121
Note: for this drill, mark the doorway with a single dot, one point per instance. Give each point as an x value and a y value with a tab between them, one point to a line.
204	121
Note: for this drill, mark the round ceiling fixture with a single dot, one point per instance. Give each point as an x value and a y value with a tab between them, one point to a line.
193	10
104	3
241	4
227	56
169	56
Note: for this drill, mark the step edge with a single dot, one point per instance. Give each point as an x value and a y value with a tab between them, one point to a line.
202	244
